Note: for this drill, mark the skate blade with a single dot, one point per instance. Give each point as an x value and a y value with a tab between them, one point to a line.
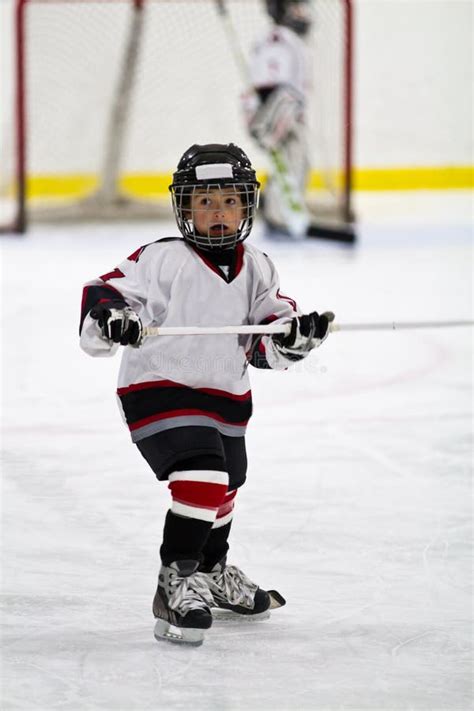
178	635
220	614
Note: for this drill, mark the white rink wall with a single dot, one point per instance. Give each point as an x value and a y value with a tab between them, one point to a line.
414	87
413	94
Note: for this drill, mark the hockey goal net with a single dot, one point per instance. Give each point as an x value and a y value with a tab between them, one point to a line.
105	95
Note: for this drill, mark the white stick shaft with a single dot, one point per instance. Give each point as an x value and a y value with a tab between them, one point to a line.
285	328
214	330
398	326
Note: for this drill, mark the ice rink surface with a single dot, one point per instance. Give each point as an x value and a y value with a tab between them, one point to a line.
358	504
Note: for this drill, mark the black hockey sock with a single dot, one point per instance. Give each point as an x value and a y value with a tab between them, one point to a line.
215	548
183	538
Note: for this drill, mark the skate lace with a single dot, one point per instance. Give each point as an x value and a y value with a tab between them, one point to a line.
191	593
234	587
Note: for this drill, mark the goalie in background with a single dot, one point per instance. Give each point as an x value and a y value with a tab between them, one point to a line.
275	107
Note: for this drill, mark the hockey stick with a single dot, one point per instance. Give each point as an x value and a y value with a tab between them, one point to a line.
296	215
265	330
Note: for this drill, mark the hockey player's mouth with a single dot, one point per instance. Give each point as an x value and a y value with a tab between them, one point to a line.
219	229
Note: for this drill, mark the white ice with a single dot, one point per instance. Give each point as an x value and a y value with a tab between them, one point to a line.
358	505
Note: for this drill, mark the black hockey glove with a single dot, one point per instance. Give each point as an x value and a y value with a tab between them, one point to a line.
118	322
307	332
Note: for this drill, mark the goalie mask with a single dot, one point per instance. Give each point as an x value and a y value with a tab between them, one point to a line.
215	195
295	14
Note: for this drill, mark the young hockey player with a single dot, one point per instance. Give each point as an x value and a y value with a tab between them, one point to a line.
187	399
275	107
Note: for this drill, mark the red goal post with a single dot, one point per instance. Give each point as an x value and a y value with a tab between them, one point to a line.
108	93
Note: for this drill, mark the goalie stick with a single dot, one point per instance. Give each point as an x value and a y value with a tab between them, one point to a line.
285	328
339	234
296	214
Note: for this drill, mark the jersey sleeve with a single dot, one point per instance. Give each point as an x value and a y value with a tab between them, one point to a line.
126	285
270	306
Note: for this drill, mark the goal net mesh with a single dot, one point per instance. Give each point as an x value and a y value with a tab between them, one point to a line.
114	94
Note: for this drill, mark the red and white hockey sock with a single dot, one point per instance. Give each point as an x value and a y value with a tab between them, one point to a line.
198	494
225	511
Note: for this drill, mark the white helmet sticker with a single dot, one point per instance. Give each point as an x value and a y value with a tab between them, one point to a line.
214	171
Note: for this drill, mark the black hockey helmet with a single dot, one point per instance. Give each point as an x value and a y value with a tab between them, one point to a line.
211	168
295	14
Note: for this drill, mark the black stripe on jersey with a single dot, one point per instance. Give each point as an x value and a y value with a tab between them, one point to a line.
93	295
162	398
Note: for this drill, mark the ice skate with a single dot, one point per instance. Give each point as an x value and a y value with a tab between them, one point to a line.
182	603
234	592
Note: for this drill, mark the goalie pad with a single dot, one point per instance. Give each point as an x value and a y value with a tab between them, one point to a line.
276	117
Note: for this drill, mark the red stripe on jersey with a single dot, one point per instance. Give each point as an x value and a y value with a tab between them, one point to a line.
198	493
240	258
136	254
115	274
223	393
288	299
85	293
239	261
149	385
172	384
269	319
182	413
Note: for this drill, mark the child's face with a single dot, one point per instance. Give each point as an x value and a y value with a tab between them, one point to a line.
218	212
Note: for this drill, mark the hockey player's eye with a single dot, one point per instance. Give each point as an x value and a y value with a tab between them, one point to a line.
233	202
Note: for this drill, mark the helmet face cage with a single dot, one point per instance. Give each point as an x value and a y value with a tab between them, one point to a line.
195	205
215	195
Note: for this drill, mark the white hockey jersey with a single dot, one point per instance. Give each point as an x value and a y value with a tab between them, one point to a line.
281	58
175	381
